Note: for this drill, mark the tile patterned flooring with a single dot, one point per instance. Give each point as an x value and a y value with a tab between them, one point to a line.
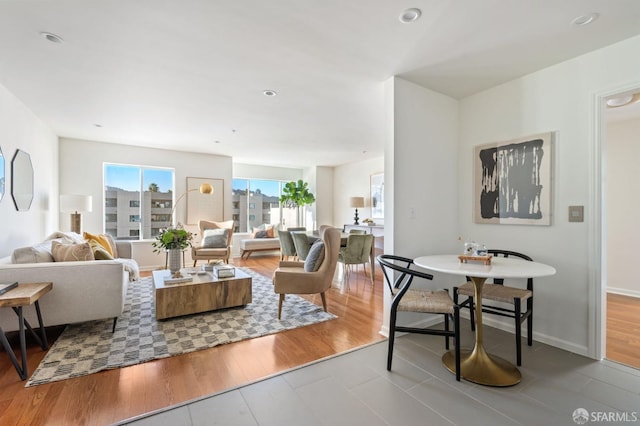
355	389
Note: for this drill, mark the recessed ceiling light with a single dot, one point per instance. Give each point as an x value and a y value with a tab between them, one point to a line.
410	15
98	125
216	141
51	37
269	92
585	19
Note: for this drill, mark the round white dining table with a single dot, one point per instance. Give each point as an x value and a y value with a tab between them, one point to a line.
478	366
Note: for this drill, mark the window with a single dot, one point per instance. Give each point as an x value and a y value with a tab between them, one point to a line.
138	200
265	194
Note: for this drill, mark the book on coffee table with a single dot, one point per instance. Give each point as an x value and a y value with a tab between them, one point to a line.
5	287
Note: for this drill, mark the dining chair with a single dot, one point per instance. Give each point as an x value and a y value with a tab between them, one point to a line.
301	243
356	252
357	231
406	299
498	292
287	248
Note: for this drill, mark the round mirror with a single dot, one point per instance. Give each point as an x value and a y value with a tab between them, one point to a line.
21	180
2	178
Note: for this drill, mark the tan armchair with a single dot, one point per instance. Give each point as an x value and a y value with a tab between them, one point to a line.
207	253
292	277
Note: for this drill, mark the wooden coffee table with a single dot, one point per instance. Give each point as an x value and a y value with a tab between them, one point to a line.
204	293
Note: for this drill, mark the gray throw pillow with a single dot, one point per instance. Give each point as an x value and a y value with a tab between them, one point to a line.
261	234
315	257
215	238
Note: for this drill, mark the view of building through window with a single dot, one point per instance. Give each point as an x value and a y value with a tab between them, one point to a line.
138	200
257	201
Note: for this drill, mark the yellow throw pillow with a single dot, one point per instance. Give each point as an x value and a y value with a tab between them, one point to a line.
100	239
71	252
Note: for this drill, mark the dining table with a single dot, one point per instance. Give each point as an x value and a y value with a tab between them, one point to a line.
477	365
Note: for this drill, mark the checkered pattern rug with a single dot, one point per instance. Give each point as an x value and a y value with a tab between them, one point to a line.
89	347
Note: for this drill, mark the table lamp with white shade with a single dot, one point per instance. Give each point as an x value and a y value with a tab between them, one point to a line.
356	202
75	204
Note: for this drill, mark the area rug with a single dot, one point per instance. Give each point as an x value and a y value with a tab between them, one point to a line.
90	347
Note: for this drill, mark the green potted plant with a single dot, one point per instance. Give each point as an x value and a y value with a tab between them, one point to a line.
172	241
296	195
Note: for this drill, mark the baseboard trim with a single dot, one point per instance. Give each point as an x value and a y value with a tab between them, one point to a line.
623	292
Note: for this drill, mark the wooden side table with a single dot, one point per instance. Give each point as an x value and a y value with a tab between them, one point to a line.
24	295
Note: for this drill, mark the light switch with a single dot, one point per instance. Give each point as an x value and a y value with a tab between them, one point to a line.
576	213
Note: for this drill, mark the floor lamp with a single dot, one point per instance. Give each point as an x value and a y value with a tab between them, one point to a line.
205	188
75	204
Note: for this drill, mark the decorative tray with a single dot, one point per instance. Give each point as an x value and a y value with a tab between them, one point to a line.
484	259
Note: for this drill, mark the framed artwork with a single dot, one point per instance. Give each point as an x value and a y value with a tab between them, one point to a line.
204	206
377	196
512	181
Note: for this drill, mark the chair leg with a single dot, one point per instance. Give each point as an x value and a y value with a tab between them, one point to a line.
456	328
472	314
518	319
324	301
446	327
530	321
280	305
392	333
194	263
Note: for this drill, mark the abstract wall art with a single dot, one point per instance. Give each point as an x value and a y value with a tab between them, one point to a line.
512	181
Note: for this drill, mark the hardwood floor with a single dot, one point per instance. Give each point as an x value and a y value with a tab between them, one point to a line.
113	395
623	329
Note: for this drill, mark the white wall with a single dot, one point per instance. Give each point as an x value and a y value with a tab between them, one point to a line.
421	178
622	204
353	180
426	176
21	129
562	99
325	196
81	168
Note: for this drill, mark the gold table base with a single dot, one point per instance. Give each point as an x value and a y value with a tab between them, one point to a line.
479	367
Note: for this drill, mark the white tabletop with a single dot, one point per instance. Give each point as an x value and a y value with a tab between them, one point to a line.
500	267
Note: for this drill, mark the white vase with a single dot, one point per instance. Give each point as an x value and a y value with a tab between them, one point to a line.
174	259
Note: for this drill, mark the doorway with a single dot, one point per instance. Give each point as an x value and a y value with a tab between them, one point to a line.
620	302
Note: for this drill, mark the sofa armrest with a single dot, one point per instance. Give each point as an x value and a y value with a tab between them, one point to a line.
124	249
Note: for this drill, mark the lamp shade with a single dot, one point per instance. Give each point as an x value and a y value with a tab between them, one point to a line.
75	203
356	202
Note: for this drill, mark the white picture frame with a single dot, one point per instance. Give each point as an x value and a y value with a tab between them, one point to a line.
377	195
204	206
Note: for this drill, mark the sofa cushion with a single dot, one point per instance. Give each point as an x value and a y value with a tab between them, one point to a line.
315	257
215	238
39	253
71	252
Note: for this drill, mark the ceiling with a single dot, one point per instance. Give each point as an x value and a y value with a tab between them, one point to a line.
190	74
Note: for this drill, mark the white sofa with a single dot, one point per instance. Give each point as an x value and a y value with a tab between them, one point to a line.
82	290
249	245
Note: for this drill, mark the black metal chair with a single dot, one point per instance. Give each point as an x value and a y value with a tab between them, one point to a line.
498	292
418	300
